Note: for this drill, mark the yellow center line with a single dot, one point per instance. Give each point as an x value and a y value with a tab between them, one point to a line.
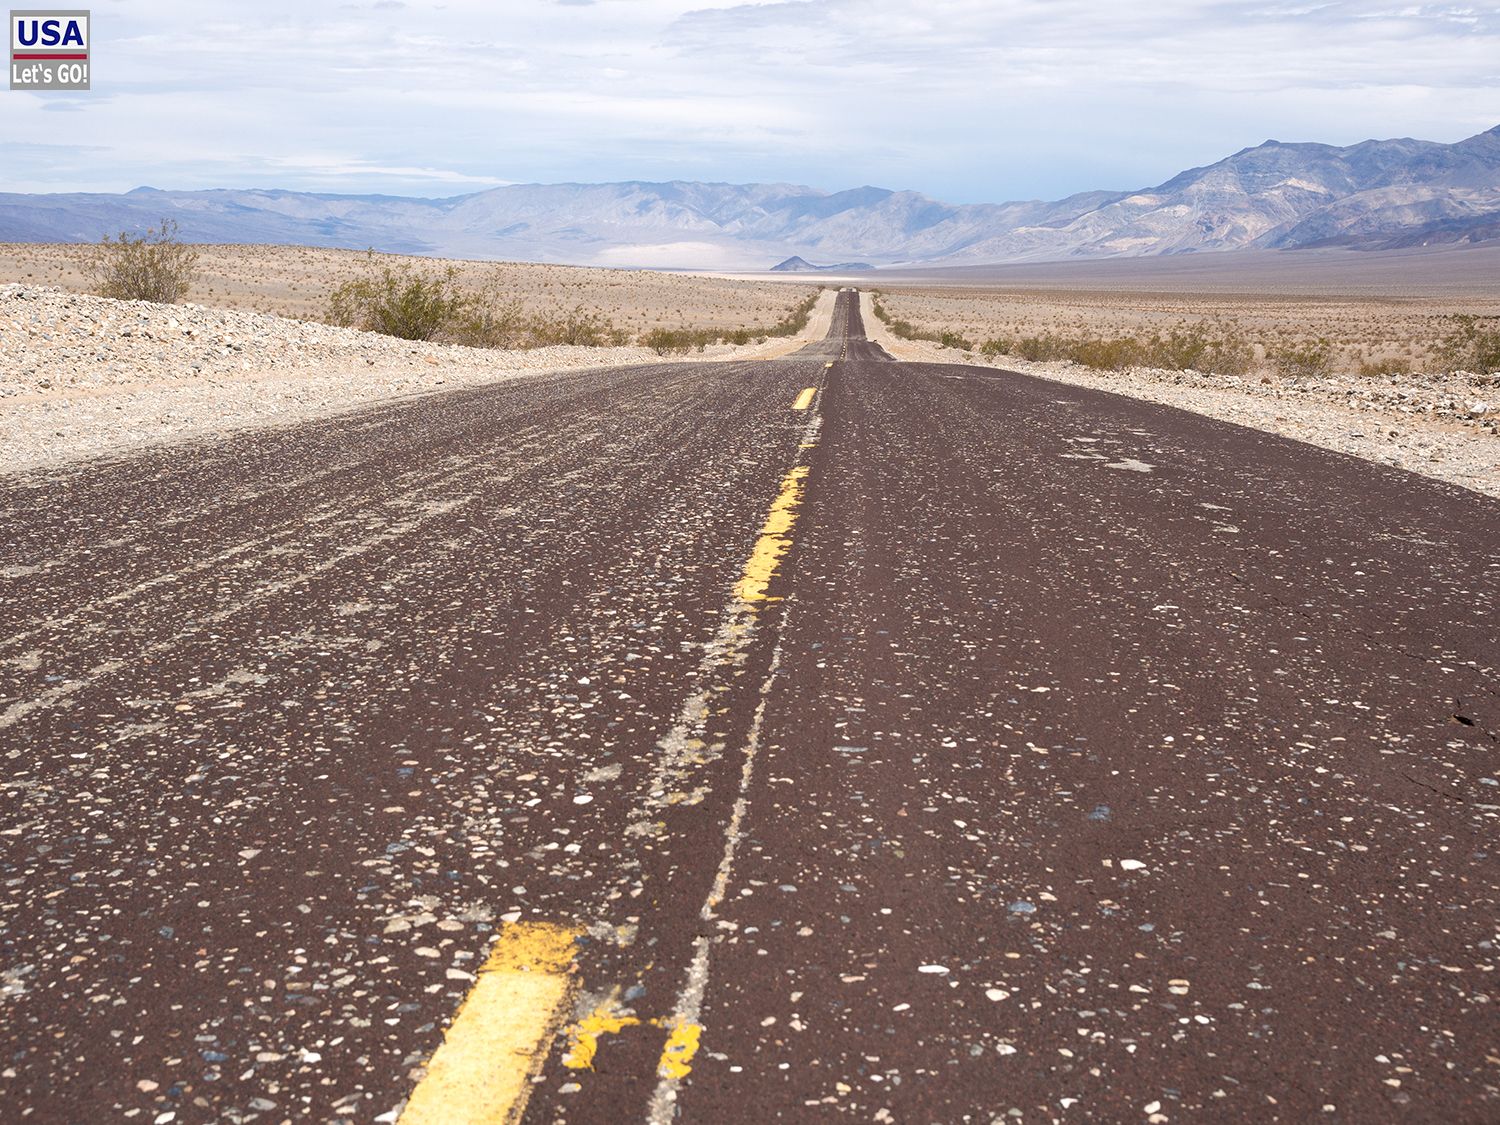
685	1026
774	542
482	1072
677	1056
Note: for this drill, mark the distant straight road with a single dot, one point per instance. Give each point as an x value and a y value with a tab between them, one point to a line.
795	739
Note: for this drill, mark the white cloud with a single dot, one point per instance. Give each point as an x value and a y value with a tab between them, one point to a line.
967	99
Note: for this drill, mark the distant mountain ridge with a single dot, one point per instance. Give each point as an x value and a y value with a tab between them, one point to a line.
802	265
1375	194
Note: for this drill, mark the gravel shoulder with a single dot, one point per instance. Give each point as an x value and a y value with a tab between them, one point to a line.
1410	422
84	376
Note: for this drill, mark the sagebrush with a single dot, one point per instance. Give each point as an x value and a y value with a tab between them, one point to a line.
401	302
1215	350
905	330
413	303
1305	359
155	266
1471	344
668	341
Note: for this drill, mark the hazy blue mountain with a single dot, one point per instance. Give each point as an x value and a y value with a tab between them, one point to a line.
802	265
1374	194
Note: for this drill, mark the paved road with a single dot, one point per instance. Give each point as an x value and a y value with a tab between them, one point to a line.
940	745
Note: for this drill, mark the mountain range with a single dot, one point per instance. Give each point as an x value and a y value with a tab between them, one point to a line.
1372	195
802	265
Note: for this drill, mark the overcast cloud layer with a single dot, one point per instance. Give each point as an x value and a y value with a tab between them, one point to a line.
967	100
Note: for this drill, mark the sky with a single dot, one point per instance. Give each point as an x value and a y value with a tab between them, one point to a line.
966	100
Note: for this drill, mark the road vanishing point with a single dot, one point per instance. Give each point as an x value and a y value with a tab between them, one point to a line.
817	738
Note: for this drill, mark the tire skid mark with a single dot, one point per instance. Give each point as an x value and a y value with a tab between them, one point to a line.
161	509
13	714
69	624
473	468
606	473
688	749
630	492
751	592
361	472
687	1012
602	467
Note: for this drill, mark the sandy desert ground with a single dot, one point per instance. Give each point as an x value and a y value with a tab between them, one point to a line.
81	377
1454	269
294	281
85	377
1371	307
1423	425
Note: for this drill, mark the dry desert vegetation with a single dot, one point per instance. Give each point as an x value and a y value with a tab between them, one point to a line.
296	281
1364	335
85	376
1359	354
1350	351
1304	313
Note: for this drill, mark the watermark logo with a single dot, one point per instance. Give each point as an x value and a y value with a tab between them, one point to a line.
49	50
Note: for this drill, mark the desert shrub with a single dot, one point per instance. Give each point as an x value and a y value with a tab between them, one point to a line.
1305	359
1039	349
488	322
1471	344
1374	368
577	327
1182	349
900	328
1229	355
1107	354
664	341
796	320
1198	348
400	302
156	266
906	330
1219	351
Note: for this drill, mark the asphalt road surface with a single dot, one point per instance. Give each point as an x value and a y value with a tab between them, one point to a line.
825	737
